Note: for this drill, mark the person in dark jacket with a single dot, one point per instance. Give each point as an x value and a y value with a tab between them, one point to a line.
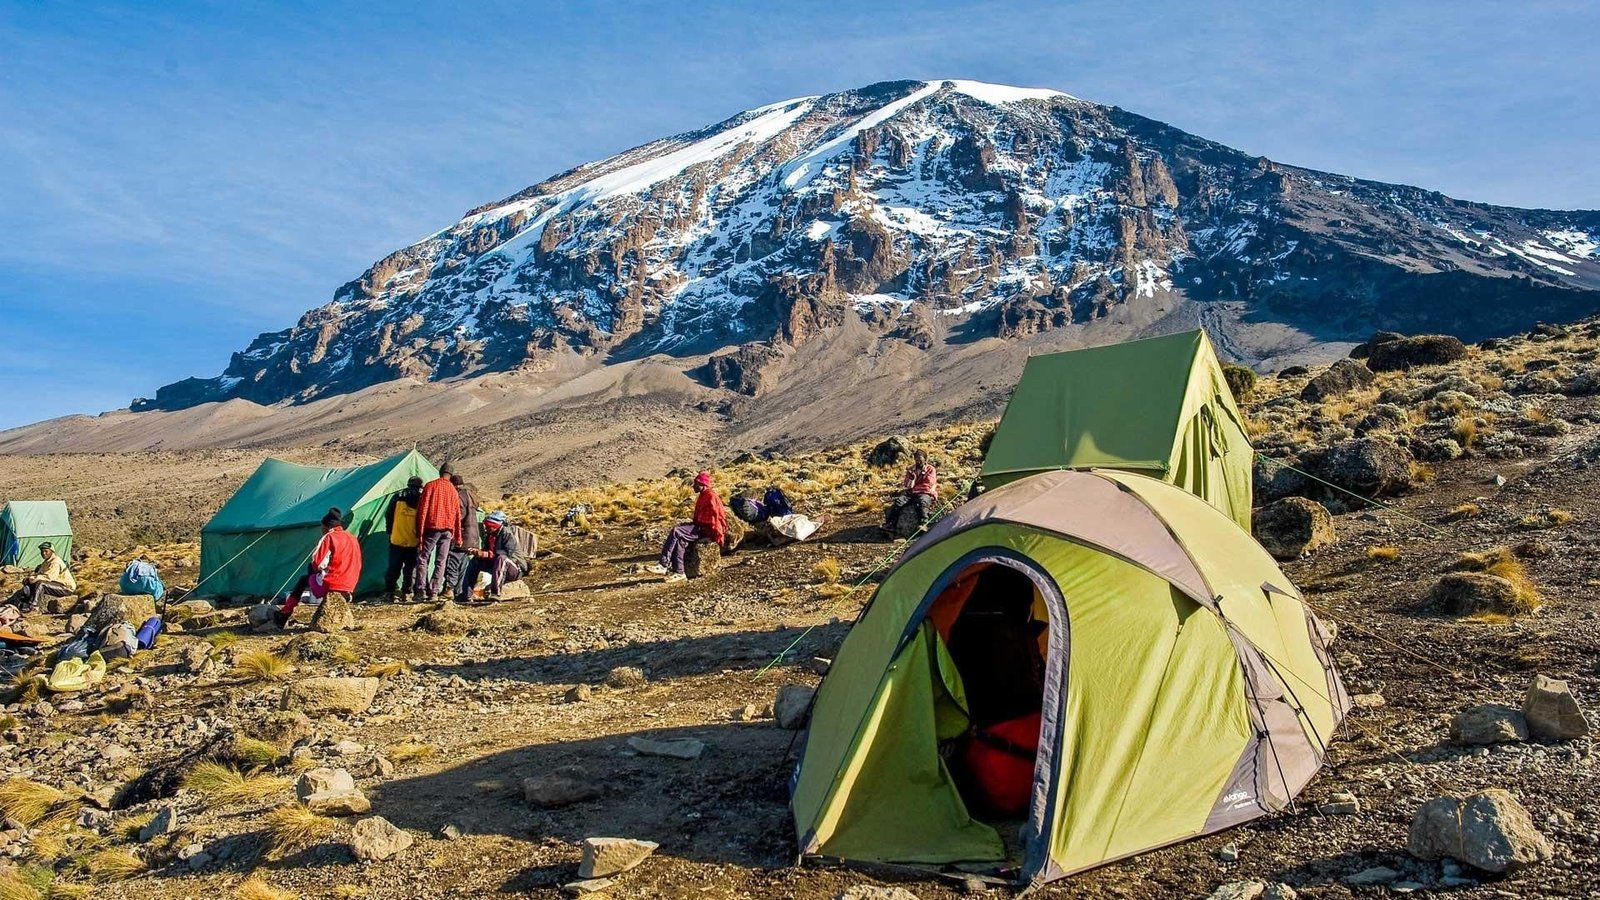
501	555
400	520
462	554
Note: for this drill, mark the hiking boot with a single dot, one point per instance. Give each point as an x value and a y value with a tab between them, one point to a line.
491	598
656	569
281	619
676	576
405	597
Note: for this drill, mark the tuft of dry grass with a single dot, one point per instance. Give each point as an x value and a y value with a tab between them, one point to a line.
294	826
1546	519
222	639
263	665
254	888
1383	553
29	802
349	891
826	571
113	864
1463	511
1504	563
1422	473
14	886
255	753
386	669
70	890
1465	431
226	785
130	827
404	753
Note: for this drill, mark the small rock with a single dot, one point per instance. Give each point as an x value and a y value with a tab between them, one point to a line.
625	677
1372	876
1369	701
375	838
876	892
580	693
164	823
190	851
563	787
1552	712
1488	723
196	658
1342	803
323	781
262	617
285	728
338	803
1229	853
793	705
605	856
348	748
747	713
678	748
587	886
1239	890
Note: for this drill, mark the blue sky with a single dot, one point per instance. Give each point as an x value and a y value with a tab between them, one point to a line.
177	177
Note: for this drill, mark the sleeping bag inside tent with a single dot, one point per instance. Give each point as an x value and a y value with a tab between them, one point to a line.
259	542
1096	663
1158	406
25	524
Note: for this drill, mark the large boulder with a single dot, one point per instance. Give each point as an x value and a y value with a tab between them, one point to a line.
1275	480
333	614
563	787
1370	467
1488	723
349	802
1363	350
1341	378
1292	527
113	608
1419	350
1488	830
1552	712
793	705
603	856
331	694
890	452
1472	593
376	838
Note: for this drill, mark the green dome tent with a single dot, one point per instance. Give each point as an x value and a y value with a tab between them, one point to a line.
1158	406
1182	687
25	524
261	538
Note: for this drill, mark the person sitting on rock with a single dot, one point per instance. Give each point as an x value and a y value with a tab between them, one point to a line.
710	523
401	521
919	487
332	574
51	578
501	555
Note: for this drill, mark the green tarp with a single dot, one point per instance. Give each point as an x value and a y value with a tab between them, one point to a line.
258	543
25	524
1159	407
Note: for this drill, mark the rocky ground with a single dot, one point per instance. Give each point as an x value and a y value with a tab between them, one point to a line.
577	685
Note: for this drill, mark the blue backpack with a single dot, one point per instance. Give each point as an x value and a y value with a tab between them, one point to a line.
776	503
141	577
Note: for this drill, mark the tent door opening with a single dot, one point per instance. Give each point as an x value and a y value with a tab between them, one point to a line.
992	617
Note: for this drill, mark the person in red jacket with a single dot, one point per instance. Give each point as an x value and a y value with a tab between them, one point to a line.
335	568
710	523
439	523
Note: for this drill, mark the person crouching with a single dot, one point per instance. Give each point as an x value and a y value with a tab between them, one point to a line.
710	523
502	556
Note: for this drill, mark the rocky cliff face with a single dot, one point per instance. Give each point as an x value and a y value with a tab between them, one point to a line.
1001	210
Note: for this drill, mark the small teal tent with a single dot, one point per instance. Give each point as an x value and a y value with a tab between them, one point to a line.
25	524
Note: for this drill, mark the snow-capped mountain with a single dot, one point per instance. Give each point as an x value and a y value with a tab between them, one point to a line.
924	209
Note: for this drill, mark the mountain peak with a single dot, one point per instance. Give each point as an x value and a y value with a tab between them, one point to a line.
933	212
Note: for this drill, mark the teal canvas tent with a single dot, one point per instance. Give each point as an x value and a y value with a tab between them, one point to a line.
25	524
258	543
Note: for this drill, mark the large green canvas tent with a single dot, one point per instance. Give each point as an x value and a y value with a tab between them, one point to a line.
25	524
1158	406
1180	685
259	541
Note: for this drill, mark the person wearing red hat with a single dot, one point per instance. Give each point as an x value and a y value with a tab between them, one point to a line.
710	523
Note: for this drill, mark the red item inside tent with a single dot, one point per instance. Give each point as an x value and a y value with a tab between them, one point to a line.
999	760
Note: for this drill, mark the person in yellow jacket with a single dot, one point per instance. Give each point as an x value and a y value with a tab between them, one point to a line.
52	578
403	539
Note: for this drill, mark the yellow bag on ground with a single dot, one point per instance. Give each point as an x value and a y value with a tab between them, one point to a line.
77	674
